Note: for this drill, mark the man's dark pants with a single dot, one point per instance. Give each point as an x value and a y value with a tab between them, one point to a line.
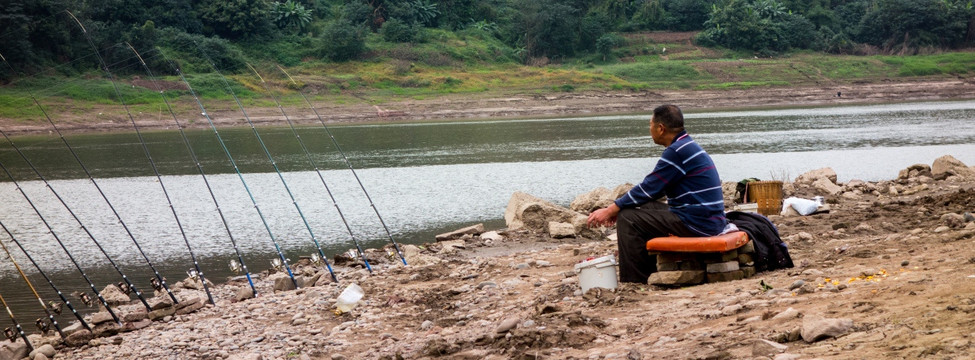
634	226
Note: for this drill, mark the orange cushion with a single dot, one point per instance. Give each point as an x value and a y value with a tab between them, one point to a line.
720	243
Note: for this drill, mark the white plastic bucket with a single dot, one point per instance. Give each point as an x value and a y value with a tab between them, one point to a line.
598	272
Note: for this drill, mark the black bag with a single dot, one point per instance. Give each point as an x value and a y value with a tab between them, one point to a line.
742	189
771	252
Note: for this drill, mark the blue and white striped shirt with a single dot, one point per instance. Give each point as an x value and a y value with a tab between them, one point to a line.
686	174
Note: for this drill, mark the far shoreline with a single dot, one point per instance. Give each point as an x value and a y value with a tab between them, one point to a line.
461	107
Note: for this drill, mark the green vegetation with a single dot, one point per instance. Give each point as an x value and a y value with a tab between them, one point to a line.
359	51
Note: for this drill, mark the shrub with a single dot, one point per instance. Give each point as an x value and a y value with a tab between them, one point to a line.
341	40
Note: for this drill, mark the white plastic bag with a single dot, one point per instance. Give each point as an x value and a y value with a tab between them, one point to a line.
802	206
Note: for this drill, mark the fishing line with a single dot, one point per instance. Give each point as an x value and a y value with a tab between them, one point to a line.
17	324
349	164
271	160
159	178
284	260
36	295
46	278
311	161
51	229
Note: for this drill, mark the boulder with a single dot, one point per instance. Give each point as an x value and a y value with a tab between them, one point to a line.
456	234
284	283
160	302
46	350
598	198
244	293
825	185
914	171
13	350
528	212
818	328
106	329
812	176
762	347
947	165
561	230
304	281
78	338
100	317
114	296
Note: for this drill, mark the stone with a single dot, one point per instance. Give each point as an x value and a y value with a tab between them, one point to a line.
525	211
39	357
827	186
487	284
731	309
507	325
284	283
415	258
812	176
244	293
161	313
762	347
818	328
106	329
560	230
78	338
160	302
188	301
797	284
597	198
13	350
748	271
307	281
745	260
451	246
953	220
113	296
136	325
492	236
670	257
136	314
426	325
789	313
71	329
726	276
947	165
192	307
100	317
456	234
672	278
723	267
748	248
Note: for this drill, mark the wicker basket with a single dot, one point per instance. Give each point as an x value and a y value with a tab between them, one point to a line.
767	194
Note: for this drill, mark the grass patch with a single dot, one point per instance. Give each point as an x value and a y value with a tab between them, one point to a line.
740	85
653	71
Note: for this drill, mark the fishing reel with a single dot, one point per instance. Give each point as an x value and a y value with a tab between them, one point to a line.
42	325
156	284
277	264
55	307
86	299
10	334
236	267
316	260
193	274
353	254
126	289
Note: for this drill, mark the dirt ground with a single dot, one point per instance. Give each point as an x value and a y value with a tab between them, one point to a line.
467	106
900	271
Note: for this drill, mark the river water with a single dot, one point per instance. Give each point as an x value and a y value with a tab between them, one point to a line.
423	178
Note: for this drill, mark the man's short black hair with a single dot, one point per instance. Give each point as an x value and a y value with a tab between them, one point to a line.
670	116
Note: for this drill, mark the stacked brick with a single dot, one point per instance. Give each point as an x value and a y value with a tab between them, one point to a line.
685	268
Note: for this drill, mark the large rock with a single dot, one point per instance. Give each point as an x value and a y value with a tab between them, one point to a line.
244	293
46	349
528	212
13	350
161	313
914	171
810	177
826	186
113	296
78	338
818	328
160	302
284	283
456	234
106	329
586	203
560	230
947	165
100	317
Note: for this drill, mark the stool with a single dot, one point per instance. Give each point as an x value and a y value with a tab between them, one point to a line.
694	260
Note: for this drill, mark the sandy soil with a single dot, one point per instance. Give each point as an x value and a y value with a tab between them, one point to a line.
893	265
477	106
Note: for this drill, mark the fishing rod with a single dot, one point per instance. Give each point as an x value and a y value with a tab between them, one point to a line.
199	167
47	310
311	161
271	160
284	260
349	164
51	229
320	176
9	333
64	300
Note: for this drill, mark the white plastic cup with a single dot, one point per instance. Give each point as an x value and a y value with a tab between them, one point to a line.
349	298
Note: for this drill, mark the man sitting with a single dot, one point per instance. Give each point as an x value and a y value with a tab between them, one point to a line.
695	204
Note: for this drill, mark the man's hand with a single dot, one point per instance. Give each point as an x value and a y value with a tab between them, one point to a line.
603	217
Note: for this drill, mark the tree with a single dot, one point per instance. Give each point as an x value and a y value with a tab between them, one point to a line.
290	15
545	27
342	40
763	26
235	19
914	23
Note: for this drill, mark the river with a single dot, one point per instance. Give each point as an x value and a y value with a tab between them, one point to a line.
423	178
